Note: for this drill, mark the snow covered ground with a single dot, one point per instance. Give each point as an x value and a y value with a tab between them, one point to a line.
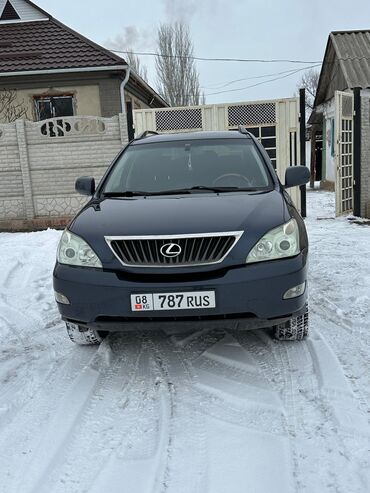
209	412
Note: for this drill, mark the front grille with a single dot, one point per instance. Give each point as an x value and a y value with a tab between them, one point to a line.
187	250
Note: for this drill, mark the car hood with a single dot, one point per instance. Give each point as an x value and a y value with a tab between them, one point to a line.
254	213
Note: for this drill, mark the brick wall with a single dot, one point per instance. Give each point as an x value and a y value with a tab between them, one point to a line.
365	156
39	163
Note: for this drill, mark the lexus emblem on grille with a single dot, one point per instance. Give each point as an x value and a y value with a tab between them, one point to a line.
170	250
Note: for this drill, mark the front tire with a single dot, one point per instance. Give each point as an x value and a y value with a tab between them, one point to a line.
295	329
83	335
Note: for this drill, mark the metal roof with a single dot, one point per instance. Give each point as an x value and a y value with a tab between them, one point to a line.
48	45
353	51
346	63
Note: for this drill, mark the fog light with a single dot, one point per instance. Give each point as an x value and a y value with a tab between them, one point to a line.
60	298
295	292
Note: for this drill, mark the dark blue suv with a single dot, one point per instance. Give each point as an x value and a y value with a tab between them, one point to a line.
190	230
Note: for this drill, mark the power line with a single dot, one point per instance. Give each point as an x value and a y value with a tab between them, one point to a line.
247	60
259	83
263	82
221	85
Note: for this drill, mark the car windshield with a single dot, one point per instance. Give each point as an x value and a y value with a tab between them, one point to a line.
204	165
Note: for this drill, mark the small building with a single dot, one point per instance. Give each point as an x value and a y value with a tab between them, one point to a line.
56	71
340	121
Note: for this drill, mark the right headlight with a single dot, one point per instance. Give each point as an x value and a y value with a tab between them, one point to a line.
280	242
73	250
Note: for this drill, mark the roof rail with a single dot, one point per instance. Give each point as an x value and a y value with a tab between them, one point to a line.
243	130
145	134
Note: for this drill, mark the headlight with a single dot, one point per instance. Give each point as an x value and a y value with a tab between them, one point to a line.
280	242
73	250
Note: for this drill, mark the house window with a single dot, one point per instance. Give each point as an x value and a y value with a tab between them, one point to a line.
54	107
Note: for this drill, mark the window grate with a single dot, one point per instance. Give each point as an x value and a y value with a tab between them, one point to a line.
252	114
347	106
182	119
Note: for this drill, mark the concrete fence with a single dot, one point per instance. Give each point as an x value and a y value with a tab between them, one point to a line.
40	161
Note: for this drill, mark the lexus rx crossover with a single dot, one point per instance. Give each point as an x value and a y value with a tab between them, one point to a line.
188	230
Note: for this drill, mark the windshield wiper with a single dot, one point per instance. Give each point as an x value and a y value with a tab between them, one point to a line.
211	189
126	193
215	189
140	193
177	191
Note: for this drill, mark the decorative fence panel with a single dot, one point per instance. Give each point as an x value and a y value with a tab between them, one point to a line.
344	152
40	161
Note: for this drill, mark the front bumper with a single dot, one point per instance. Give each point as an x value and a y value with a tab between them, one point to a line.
247	296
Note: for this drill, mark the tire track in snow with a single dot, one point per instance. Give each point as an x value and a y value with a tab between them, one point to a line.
27	426
177	470
347	410
141	433
167	397
12	274
27	359
336	387
357	338
317	438
145	436
84	424
244	412
299	391
260	344
231	375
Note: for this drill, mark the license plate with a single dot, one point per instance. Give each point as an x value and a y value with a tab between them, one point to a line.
193	300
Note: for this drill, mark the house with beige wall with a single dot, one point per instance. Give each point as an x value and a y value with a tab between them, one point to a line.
65	111
54	71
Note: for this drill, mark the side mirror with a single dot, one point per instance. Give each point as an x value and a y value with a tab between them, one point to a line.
296	176
85	185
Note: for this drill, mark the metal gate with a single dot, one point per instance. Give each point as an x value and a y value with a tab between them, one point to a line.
344	152
274	122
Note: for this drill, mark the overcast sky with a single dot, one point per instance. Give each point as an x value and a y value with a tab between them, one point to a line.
268	29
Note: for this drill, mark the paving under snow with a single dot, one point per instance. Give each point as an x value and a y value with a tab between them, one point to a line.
208	412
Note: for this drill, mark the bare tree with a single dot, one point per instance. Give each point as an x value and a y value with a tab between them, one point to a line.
10	108
177	75
310	81
136	64
124	42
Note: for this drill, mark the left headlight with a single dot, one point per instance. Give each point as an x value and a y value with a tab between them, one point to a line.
73	250
280	242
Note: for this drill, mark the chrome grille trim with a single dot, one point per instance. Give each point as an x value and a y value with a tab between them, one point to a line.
140	252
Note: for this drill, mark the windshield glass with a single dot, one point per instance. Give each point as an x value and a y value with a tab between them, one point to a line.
167	166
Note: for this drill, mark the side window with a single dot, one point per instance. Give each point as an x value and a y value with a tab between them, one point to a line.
53	107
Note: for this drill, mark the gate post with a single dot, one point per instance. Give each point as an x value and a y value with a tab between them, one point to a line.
357	151
302	141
